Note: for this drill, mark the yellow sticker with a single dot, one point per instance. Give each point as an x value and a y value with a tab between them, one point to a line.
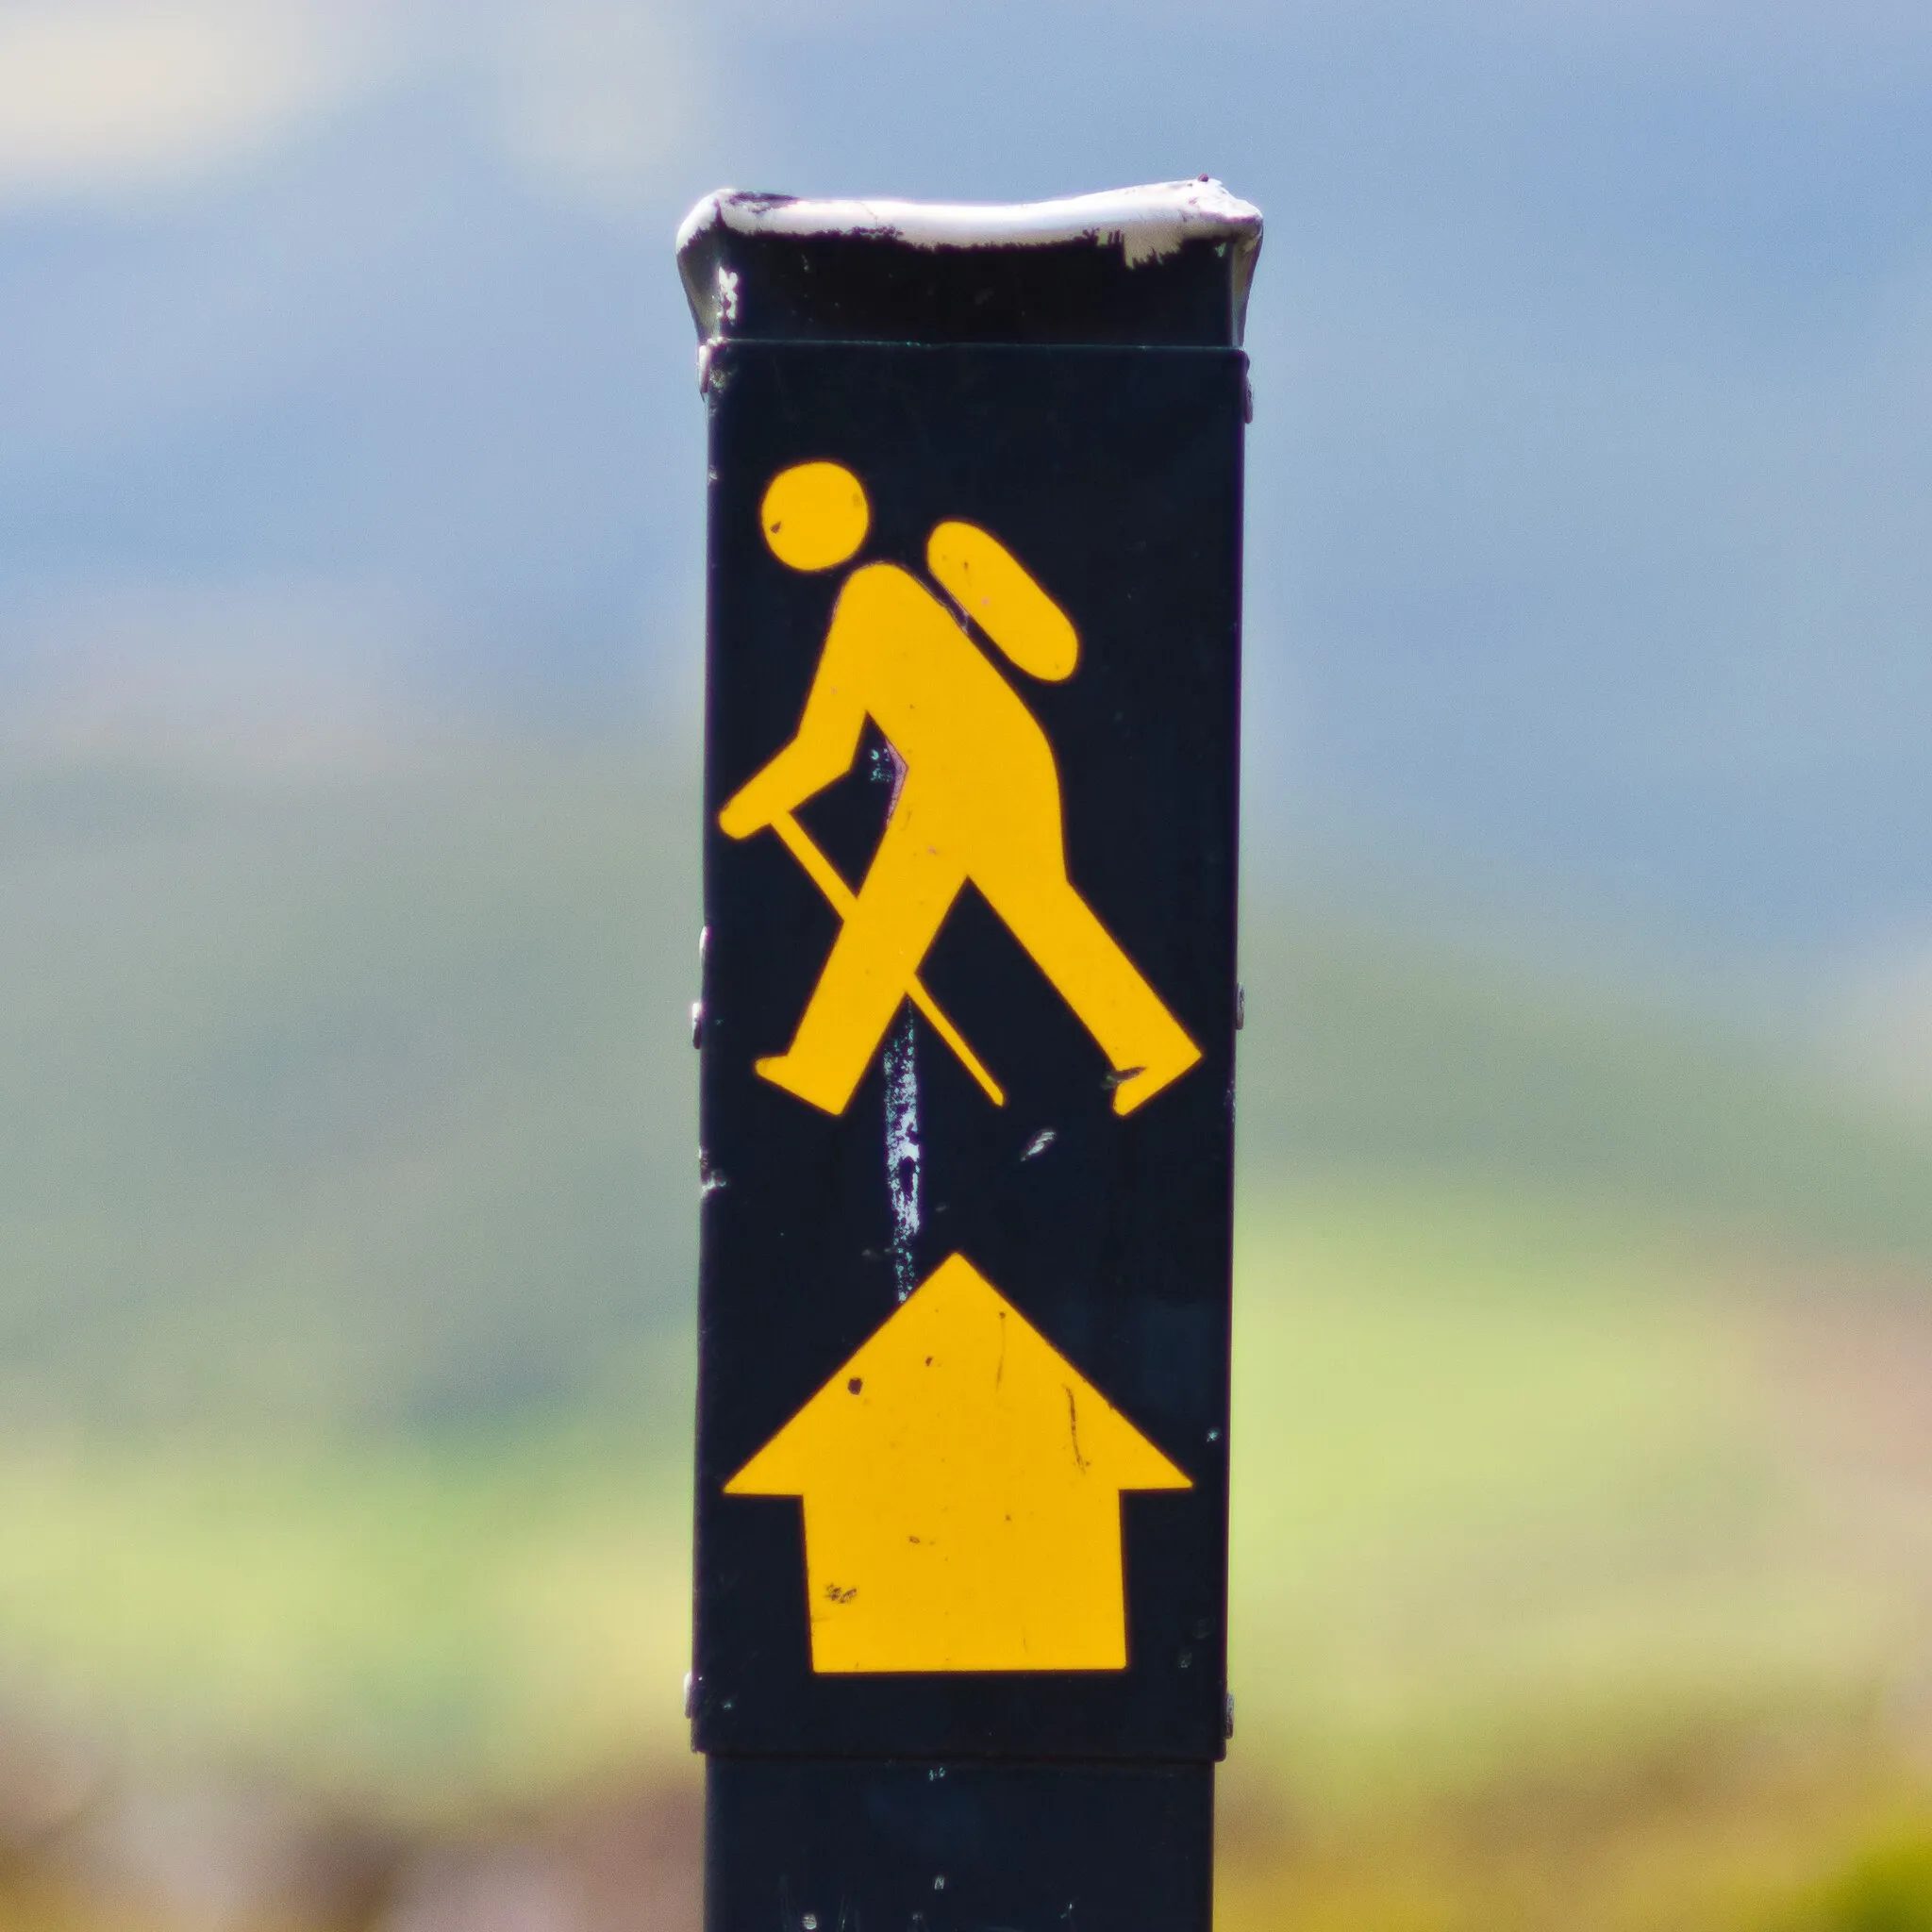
961	1484
988	584
814	515
980	800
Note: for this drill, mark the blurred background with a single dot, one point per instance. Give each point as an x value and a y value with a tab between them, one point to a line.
351	472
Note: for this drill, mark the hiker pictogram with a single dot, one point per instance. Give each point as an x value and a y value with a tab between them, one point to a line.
980	799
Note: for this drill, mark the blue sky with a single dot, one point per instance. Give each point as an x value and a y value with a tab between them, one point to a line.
348	389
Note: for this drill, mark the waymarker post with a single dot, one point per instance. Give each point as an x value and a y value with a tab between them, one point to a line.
968	1017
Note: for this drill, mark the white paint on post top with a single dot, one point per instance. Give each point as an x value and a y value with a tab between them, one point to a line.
1146	222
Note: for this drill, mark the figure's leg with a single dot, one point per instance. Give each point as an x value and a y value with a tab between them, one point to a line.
1094	976
906	894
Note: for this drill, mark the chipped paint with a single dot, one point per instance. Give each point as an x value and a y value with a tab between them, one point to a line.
903	1151
889	768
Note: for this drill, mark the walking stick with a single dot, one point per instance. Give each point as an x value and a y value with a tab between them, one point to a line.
824	875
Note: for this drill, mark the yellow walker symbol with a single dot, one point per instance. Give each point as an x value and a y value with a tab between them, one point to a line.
961	1484
980	799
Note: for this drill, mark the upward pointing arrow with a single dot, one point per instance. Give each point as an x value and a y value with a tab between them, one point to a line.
961	1482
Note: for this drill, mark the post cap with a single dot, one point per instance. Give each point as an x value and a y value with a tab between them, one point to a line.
1167	264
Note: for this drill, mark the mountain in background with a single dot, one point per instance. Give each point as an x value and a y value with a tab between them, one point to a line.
369	1098
1589	477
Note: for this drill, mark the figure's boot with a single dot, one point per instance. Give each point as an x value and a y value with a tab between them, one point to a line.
1139	1085
1144	1042
807	1082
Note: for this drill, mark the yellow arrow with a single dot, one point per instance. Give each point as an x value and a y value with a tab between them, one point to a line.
961	1483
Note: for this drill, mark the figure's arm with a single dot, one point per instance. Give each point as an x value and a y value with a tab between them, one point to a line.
821	750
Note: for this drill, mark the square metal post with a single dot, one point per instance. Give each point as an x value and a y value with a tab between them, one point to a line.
969	1004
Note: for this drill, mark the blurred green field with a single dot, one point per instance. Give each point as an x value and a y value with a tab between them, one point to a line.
1583	1516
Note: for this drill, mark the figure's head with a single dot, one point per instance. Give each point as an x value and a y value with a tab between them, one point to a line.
815	516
